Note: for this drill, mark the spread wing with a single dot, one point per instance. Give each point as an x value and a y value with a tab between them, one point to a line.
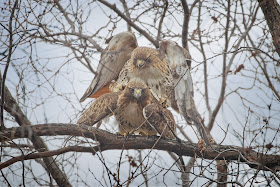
102	107
179	60
112	60
161	120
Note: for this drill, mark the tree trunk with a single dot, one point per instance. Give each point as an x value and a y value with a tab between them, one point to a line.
271	11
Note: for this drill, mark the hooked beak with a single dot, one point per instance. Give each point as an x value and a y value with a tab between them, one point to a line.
140	63
137	93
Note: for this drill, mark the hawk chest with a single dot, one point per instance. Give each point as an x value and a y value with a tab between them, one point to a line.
155	79
130	115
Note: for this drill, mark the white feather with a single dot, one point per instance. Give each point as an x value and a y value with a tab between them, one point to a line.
177	58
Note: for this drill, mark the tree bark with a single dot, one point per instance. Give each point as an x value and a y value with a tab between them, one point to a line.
271	11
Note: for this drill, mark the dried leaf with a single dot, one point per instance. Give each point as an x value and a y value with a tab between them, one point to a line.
200	146
269	146
239	68
229	71
215	19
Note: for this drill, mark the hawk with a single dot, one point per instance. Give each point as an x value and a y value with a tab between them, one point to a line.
166	72
112	60
149	66
135	109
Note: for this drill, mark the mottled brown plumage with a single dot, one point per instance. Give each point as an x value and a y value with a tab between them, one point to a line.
129	114
166	72
161	120
102	107
139	112
135	109
147	65
112	60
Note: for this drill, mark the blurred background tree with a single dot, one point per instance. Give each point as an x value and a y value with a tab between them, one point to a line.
49	53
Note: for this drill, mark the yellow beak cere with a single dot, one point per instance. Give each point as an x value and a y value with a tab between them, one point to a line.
137	93
140	63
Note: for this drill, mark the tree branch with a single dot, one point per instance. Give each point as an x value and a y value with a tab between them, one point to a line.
109	141
130	22
65	14
14	109
271	11
126	13
205	69
161	20
10	30
47	154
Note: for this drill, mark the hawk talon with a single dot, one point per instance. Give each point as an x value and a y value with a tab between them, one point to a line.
155	136
123	134
143	134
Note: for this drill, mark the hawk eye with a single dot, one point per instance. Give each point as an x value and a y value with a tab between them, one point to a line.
131	90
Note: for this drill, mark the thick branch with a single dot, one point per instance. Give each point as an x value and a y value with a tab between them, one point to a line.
271	11
109	141
185	26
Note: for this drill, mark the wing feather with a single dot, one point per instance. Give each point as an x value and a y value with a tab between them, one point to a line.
102	107
179	60
112	60
160	119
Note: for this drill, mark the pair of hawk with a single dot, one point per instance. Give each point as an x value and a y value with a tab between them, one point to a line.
136	84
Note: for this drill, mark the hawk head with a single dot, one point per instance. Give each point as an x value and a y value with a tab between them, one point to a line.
137	91
144	56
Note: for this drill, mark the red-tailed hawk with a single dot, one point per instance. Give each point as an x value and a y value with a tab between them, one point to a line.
165	71
112	60
149	66
135	109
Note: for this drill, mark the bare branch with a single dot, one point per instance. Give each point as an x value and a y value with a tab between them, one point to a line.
126	13
7	64
205	71
47	154
161	20
130	22
13	108
109	141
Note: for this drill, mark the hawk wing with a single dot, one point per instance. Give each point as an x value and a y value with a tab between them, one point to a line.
102	107
111	62
179	60
161	119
